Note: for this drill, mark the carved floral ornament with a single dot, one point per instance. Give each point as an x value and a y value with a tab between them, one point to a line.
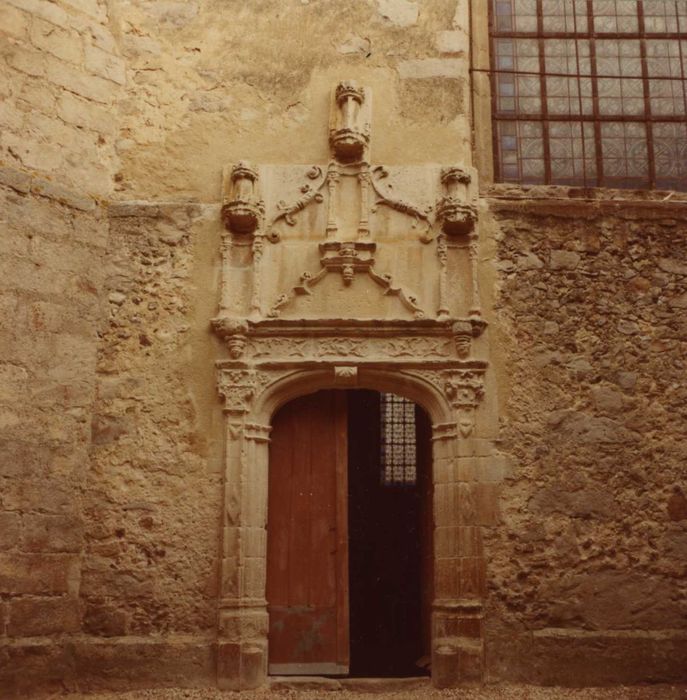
242	342
463	388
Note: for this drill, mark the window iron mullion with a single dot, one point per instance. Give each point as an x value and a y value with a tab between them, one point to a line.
493	78
583	134
682	59
543	94
596	112
651	164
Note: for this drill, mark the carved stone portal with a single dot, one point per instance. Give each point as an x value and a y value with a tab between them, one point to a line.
349	274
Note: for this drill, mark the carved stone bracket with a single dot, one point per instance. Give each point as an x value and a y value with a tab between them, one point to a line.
463	333
233	332
455	213
243	210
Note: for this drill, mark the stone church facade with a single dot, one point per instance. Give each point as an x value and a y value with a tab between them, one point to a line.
214	208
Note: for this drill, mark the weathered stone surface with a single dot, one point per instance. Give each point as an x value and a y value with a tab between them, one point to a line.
677	505
432	68
553	657
596	430
564	260
40	574
451	42
53	56
106	620
402	13
10	529
52	533
39	667
36	617
173	661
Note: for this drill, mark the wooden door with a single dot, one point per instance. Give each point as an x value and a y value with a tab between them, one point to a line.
307	537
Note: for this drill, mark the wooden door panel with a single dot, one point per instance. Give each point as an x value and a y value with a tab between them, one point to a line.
307	538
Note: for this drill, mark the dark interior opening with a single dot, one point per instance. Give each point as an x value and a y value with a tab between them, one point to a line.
390	535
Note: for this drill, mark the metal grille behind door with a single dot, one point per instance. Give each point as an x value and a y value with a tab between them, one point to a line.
398	448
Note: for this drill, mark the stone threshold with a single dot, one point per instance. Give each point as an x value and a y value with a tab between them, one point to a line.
356	685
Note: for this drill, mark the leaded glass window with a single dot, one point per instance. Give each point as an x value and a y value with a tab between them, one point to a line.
590	92
398	443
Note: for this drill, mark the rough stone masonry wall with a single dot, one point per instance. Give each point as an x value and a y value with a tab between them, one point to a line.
59	78
587	572
153	498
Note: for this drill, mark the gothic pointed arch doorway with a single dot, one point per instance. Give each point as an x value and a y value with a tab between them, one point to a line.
349	536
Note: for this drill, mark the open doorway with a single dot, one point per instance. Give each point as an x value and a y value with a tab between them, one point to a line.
349	551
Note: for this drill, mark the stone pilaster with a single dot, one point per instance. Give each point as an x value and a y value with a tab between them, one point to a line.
459	569
243	620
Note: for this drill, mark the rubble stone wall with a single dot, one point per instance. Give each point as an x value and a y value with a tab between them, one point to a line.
153	496
587	570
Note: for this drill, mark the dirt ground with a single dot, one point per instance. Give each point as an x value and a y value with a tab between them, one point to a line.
511	692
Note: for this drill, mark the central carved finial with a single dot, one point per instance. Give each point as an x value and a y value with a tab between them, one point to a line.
349	89
349	132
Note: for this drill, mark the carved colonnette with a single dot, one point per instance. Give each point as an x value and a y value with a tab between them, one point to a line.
349	275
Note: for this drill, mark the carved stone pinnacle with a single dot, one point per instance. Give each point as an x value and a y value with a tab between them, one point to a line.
349	88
